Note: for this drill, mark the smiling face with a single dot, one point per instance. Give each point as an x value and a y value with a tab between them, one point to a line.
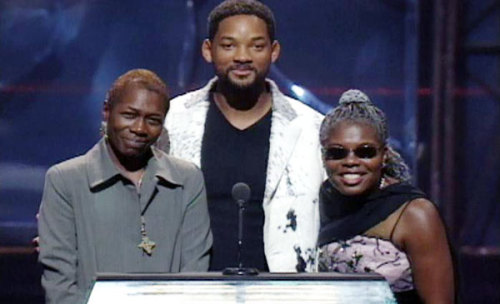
241	51
134	122
359	172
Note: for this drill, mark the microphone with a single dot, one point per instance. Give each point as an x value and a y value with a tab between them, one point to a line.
241	194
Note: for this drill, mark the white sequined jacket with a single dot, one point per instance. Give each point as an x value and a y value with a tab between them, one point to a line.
294	173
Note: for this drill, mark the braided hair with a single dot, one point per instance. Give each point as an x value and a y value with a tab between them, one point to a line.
356	106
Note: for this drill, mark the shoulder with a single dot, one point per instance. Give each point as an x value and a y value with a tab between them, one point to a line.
420	211
182	165
75	169
63	177
304	110
307	118
420	222
186	100
186	110
181	169
183	98
300	110
68	167
301	114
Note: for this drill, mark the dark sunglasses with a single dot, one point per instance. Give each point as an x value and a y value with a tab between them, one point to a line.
337	153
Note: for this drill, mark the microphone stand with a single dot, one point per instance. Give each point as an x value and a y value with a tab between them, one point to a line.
240	231
240	270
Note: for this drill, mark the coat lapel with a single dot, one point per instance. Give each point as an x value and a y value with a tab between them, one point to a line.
285	133
186	134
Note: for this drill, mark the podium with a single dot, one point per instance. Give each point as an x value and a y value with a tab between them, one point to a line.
217	288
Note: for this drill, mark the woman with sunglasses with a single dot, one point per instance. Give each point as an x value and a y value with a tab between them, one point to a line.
372	218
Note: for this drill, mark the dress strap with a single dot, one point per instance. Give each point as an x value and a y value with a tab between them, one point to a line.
397	221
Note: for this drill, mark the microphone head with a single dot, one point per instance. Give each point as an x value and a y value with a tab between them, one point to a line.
241	192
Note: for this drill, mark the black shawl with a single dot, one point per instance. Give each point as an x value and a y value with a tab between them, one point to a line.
344	217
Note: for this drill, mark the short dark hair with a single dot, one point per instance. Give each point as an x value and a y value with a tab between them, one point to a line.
230	8
141	78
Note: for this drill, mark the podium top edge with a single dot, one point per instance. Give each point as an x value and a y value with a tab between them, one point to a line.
217	276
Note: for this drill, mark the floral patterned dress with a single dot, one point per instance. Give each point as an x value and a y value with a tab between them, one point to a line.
363	254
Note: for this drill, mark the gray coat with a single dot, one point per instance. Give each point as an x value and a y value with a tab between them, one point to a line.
90	221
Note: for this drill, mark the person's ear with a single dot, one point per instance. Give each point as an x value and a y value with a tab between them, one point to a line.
206	50
275	51
385	152
105	111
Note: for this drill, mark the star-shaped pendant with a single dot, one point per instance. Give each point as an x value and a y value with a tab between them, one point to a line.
147	245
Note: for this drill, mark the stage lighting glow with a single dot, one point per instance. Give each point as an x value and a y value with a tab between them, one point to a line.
298	90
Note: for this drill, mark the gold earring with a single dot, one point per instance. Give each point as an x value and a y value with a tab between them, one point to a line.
103	130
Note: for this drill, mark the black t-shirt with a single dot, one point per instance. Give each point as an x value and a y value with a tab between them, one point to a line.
229	156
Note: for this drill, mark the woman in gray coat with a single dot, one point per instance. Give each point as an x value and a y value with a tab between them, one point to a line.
124	206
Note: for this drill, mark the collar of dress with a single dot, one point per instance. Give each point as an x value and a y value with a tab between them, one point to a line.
102	171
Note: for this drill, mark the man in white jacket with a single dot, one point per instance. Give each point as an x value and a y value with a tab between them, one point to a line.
241	128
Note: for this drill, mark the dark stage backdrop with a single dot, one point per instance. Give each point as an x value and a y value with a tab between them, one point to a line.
58	58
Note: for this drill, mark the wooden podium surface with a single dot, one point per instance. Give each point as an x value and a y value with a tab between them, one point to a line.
214	288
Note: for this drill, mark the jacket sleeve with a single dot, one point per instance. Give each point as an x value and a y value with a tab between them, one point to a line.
58	253
195	232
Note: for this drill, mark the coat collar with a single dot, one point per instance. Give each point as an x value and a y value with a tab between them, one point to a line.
102	172
280	105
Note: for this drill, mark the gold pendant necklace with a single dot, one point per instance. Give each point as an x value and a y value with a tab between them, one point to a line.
146	244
